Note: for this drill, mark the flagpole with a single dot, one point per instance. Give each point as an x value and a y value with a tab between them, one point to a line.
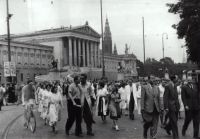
8	30
9	78
103	64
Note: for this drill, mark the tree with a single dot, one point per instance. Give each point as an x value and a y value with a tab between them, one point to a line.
140	67
189	26
167	61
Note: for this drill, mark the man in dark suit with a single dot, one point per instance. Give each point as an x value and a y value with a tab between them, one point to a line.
150	108
191	101
171	106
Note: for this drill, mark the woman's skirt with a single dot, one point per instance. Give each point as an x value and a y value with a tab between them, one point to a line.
123	104
103	107
114	110
53	114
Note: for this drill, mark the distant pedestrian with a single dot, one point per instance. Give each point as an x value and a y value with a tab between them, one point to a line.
138	96
102	100
114	107
179	89
162	90
55	105
1	97
123	94
130	99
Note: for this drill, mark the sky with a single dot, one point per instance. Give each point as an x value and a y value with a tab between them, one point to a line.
125	19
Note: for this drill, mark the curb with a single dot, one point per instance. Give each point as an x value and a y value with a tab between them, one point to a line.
6	131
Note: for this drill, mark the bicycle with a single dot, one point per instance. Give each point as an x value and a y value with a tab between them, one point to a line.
30	118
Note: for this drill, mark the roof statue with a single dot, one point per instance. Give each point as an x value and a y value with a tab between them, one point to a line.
126	49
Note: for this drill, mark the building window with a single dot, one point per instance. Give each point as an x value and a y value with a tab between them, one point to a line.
32	58
28	76
19	57
22	77
38	59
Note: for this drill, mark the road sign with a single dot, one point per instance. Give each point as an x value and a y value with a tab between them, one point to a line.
12	69
9	69
6	69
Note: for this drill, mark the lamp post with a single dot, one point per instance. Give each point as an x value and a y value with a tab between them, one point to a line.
143	39
103	65
163	45
8	34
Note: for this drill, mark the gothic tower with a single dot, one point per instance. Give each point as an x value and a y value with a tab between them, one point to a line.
107	46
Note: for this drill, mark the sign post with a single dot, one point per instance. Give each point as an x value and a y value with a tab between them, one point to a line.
9	69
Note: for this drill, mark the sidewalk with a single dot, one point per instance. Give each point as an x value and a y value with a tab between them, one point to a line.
7	114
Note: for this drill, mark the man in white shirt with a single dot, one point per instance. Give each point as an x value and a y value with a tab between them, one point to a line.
130	99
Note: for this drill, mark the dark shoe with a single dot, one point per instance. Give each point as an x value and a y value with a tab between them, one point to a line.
90	134
183	132
79	135
93	122
67	133
53	128
145	135
196	137
167	131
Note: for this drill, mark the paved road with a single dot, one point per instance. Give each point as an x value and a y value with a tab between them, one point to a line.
128	130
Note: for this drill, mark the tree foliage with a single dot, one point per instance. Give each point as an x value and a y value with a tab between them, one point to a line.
188	27
157	68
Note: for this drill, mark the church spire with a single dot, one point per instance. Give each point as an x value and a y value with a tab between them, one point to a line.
115	50
107	39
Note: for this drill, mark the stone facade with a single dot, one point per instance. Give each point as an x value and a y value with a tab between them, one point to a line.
77	50
30	59
73	46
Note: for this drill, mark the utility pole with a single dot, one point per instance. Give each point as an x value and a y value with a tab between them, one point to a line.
8	30
163	44
143	39
9	79
102	42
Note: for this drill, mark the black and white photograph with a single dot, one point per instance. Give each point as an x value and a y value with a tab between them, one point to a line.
99	69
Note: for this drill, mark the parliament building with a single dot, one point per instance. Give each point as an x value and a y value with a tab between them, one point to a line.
76	49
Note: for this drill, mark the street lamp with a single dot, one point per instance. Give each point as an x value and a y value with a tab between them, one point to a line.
8	29
103	65
163	45
8	35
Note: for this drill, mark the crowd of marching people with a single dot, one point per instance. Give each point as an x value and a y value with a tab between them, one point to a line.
153	99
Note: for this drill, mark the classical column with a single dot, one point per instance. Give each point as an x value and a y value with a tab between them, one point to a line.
83	45
79	52
88	53
75	52
92	53
65	53
95	54
70	51
98	54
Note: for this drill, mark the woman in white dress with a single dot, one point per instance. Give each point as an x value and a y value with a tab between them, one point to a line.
138	96
54	107
40	98
179	87
123	94
102	101
45	102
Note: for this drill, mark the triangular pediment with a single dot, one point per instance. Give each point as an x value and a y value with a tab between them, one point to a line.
86	30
